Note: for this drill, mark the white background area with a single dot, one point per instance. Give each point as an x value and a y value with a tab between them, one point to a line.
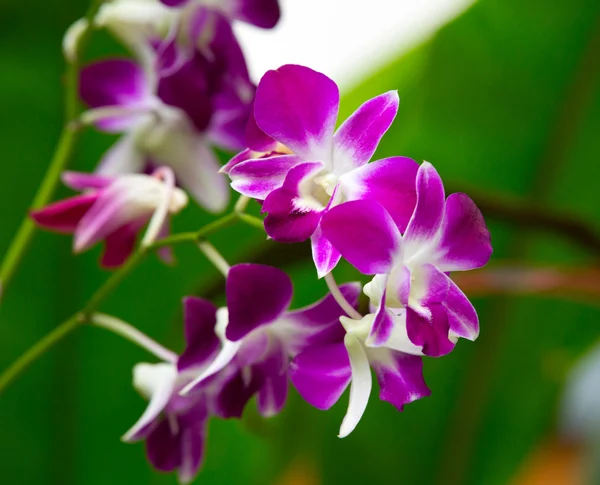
345	39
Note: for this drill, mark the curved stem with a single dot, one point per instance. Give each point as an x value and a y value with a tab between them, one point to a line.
132	334
340	298
215	257
60	159
85	315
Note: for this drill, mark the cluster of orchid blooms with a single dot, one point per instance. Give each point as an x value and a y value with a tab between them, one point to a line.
187	90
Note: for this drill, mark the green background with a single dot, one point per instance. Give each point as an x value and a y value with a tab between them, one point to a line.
504	100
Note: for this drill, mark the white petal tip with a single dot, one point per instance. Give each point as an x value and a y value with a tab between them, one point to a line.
72	39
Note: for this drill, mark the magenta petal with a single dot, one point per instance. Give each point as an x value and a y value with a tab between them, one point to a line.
202	343
382	325
179	443
465	242
64	216
174	3
262	13
114	82
258	178
391	182
298	107
83	181
290	219
273	391
120	244
400	378
321	374
256	295
427	217
462	317
365	234
319	323
325	256
236	392
357	138
430	333
256	139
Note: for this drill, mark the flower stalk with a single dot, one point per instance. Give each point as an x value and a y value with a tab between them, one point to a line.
88	313
60	159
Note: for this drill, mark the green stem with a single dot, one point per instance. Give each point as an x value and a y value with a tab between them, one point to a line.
60	159
86	314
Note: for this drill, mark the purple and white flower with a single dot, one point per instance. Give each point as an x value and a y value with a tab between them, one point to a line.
174	112
261	13
174	426
260	335
419	309
416	308
309	166
113	209
135	22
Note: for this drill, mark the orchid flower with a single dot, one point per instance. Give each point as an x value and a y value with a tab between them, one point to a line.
113	209
172	114
420	310
260	335
312	167
173	426
416	308
135	22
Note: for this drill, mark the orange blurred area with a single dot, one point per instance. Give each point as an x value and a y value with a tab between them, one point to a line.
554	463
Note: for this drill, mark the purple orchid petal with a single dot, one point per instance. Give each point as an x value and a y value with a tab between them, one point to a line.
236	392
164	448
383	325
298	107
390	181
429	210
256	139
122	157
430	332
321	374
256	295
104	217
120	244
462	317
319	323
262	13
365	234
178	443
83	181
174	3
325	256
273	391
290	217
357	138
202	343
428	285
187	88
400	377
115	82
465	242
193	435
64	216
258	178
243	156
